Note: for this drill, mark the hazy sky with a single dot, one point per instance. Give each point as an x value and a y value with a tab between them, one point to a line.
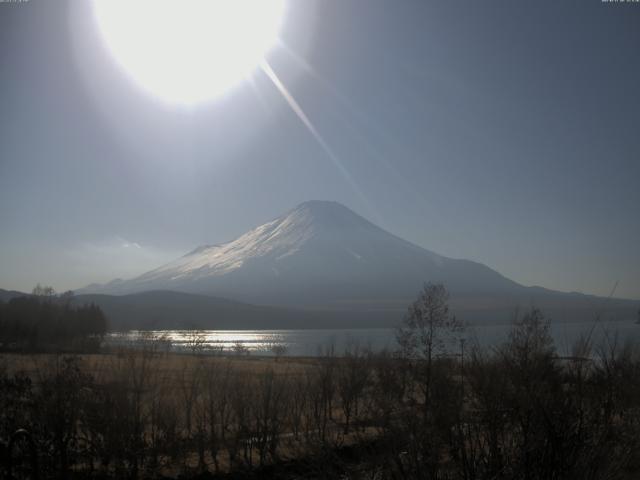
506	132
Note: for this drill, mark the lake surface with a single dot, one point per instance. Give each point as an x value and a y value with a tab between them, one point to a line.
315	342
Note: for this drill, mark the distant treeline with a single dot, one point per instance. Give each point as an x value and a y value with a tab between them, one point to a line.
45	321
519	411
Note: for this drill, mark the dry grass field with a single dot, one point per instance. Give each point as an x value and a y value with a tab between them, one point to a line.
172	364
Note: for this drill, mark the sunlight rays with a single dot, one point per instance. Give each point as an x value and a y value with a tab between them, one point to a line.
297	109
356	114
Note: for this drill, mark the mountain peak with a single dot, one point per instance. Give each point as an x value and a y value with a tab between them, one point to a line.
321	205
325	214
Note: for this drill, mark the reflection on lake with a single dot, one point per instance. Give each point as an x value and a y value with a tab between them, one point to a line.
314	342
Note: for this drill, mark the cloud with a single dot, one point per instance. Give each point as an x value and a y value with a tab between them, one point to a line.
114	257
126	244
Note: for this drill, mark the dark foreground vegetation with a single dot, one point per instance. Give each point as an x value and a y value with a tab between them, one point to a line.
436	408
44	321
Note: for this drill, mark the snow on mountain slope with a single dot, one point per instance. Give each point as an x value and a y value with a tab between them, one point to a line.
319	253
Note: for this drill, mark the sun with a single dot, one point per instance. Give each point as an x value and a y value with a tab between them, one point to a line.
189	51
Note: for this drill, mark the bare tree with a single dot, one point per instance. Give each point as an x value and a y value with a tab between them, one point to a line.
217	409
321	391
352	378
46	292
425	332
240	348
278	350
196	341
189	386
269	412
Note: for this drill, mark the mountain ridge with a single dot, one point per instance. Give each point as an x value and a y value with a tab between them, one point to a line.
321	255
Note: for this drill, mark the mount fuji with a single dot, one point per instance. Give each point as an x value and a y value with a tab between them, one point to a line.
322	255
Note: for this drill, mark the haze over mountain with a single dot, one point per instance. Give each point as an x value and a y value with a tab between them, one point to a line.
322	255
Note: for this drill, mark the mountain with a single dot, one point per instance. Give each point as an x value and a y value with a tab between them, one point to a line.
321	255
6	295
158	310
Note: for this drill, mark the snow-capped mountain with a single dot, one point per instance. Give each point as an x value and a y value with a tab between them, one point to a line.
323	256
320	253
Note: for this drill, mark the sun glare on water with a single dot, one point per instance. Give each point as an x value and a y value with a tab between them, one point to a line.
189	51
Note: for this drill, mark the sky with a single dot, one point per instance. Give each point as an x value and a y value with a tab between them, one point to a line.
505	132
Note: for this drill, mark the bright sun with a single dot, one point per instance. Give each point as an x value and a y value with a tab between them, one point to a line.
189	51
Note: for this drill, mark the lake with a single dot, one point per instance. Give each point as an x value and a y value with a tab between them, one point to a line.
315	342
